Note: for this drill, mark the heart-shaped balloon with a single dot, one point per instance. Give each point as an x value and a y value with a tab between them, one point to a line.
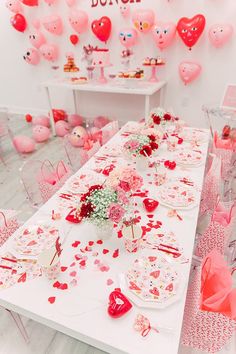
164	34
143	20
18	21
118	304
32	56
190	29
70	3
189	71
102	28
78	20
219	34
53	24
30	2
150	204
74	39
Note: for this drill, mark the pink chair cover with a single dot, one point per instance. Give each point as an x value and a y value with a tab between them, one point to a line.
217	294
206	331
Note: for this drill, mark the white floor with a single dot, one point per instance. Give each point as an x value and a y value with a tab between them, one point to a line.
43	340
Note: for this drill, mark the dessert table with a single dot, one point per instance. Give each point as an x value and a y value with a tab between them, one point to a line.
80	308
143	88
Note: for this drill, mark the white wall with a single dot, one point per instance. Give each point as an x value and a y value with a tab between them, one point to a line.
19	82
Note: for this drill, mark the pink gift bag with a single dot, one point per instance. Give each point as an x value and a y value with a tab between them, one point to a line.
7	227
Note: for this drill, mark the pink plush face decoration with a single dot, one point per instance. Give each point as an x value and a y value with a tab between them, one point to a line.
220	34
40	133
49	52
78	20
143	20
78	136
164	34
125	10
32	56
37	39
189	71
53	24
14	6
128	37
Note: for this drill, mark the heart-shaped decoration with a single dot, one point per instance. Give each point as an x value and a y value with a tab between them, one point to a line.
52	299
150	204
164	34
219	34
74	39
190	29
155	274
73	217
154	291
30	2
170	287
22	278
189	71
102	28
118	304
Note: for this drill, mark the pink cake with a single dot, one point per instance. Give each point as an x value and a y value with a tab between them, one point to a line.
101	57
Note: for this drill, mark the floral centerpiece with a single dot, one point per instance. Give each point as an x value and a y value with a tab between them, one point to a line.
142	144
159	116
124	180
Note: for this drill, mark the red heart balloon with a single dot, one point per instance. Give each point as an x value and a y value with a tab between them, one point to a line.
18	21
118	304
190	29
30	2
74	39
102	28
150	204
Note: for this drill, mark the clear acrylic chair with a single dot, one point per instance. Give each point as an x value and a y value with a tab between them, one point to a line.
108	131
5	132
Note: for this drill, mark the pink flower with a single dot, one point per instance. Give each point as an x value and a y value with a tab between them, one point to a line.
115	212
124	185
121	195
131	145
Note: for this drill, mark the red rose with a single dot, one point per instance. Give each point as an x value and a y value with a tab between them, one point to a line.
146	150
156	119
84	197
94	188
154	145
152	137
125	186
167	116
86	210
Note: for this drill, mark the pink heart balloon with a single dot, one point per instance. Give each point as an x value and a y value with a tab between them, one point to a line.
49	52
53	24
37	39
78	20
70	3
128	37
143	20
125	10
14	6
32	56
164	34
220	34
36	23
189	71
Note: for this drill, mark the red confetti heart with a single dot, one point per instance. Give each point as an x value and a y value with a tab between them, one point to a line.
152	259
76	244
133	286
73	274
63	269
116	253
63	286
169	287
91	243
105	251
57	284
154	291
150	216
52	299
99	242
119	234
82	263
22	279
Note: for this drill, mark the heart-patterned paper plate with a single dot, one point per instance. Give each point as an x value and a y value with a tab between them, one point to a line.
187	157
177	195
189	134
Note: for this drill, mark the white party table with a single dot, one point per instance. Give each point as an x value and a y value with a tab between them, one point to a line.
81	311
143	88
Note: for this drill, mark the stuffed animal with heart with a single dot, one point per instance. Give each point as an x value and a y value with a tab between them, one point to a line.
190	29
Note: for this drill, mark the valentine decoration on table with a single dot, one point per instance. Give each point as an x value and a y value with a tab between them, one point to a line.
220	34
73	217
198	135
53	24
70	66
217	293
124	179
189	71
49	263
142	325
81	184
160	117
171	165
132	236
37	38
150	204
49	52
102	28
32	56
74	39
78	20
119	305
125	10
128	37
179	196
164	34
14	6
143	144
30	2
23	144
143	20
40	133
78	136
190	29
18	21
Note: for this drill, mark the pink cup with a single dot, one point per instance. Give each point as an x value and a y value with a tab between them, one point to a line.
132	240
160	177
50	271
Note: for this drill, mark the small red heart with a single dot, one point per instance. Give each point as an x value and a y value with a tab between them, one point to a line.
155	274
22	279
32	243
152	259
99	242
63	286
116	253
169	287
91	243
26	232
73	217
150	204
52	299
82	263
73	274
102	28
56	284
105	251
118	304
63	269
154	291
76	244
119	234
39	231
74	39
133	286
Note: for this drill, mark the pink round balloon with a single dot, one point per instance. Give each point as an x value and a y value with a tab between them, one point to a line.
50	2
164	34
37	39
78	20
36	24
100	121
125	10
23	144
14	6
70	3
53	24
220	34
40	133
189	71
32	56
78	136
75	120
143	20
128	37
41	120
49	52
62	128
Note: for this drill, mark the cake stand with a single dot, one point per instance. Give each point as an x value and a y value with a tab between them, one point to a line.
102	79
153	77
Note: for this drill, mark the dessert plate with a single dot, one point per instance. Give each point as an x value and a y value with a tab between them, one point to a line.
177	195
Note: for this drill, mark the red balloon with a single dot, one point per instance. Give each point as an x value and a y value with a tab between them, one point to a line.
28	118
74	39
18	21
190	29
102	28
30	2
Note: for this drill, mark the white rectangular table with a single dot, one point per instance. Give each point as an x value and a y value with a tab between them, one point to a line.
144	88
81	311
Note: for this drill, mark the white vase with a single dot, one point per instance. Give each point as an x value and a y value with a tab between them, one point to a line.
104	231
142	163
